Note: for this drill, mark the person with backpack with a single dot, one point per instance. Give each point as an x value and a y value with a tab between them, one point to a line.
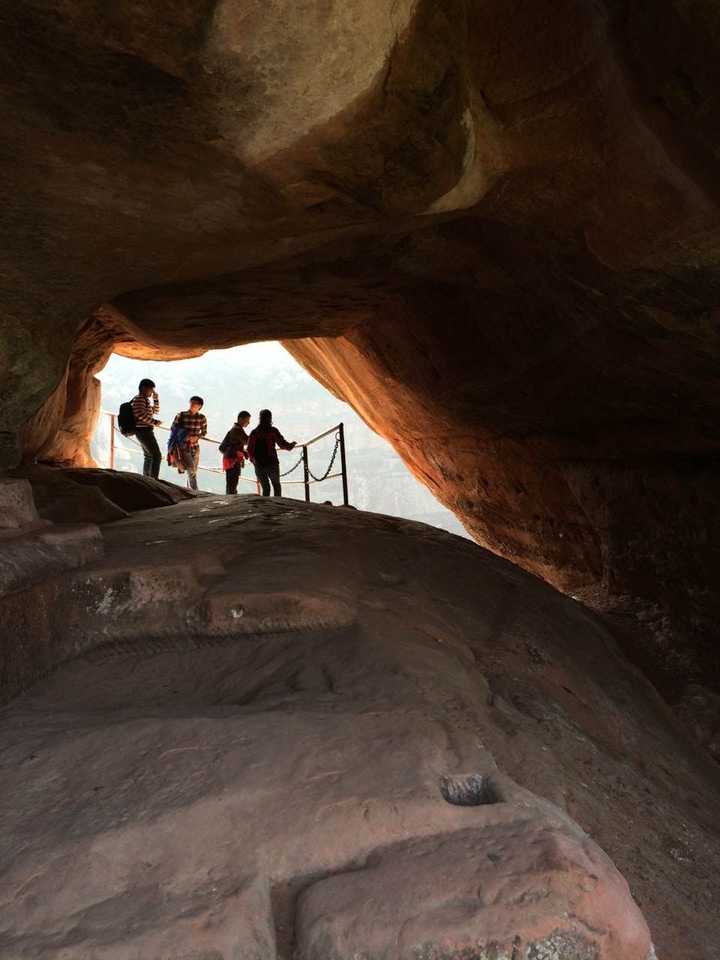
261	450
233	450
145	408
194	425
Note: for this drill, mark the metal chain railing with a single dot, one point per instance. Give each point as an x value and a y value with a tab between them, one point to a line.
330	465
294	467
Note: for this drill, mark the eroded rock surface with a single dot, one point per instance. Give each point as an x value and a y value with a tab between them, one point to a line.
241	731
32	549
94	495
480	893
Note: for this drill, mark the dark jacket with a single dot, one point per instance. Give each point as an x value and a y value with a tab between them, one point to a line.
262	444
233	447
235	439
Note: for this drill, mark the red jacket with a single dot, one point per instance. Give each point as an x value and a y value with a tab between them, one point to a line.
231	460
262	443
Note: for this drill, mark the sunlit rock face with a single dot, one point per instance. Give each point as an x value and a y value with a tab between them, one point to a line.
507	222
295	70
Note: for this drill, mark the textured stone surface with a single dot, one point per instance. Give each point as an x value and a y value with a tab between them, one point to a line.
33	550
700	709
521	888
41	553
17	507
232	710
92	495
289	795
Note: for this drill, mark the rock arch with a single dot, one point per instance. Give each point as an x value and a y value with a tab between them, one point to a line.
498	240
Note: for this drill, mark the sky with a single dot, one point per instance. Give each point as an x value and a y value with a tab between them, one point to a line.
266	375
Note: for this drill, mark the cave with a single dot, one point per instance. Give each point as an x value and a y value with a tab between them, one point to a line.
497	237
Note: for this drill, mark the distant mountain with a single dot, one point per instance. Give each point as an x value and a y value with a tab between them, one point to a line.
265	375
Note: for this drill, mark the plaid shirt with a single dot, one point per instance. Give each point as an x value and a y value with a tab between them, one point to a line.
195	424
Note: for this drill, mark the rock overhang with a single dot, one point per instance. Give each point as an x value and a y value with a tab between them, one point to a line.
498	241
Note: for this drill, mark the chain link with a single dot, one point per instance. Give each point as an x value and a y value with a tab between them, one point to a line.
292	468
330	465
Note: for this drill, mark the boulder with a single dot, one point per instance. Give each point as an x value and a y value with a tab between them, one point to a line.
520	888
92	495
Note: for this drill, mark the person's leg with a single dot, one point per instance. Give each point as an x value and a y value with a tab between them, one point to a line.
156	456
235	478
262	474
189	459
232	477
275	477
152	457
193	463
140	437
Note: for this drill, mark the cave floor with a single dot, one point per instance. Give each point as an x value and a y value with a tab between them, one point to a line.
247	706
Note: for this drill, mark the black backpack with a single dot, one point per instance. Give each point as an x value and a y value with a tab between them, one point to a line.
126	419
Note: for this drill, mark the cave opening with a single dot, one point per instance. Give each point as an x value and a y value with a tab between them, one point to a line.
498	240
253	377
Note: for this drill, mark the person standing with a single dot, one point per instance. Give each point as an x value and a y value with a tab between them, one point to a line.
262	452
233	450
145	408
194	424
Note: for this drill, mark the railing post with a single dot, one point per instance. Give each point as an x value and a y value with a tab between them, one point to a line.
112	441
343	464
306	471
